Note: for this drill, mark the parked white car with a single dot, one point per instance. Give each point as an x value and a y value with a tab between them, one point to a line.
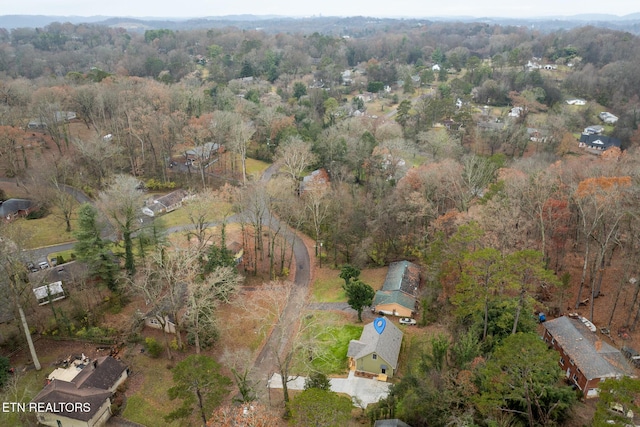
407	321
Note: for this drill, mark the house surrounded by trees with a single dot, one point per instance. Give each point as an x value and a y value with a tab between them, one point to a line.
398	296
376	352
584	357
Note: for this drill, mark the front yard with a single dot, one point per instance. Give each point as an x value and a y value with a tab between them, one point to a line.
327	286
46	231
330	333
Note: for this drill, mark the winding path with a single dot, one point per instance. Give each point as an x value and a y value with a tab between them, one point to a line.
279	338
265	363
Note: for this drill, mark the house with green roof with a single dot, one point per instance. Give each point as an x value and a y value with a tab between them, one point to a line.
377	351
399	293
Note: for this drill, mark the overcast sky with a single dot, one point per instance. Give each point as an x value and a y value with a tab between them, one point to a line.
377	8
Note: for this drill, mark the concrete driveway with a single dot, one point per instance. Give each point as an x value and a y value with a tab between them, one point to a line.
366	390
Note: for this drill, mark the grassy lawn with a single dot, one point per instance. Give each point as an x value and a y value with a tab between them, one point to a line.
66	256
150	403
327	286
331	333
415	342
46	231
416	159
181	216
21	387
256	167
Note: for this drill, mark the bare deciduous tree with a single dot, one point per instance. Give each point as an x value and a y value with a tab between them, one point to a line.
99	157
296	156
121	202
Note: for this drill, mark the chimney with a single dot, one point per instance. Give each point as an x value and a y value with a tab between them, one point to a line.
598	345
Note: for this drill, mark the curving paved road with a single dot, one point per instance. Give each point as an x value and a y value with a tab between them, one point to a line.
279	339
265	363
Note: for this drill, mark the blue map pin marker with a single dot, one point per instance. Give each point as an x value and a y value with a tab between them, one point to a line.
379	324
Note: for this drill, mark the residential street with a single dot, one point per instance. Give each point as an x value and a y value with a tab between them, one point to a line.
265	363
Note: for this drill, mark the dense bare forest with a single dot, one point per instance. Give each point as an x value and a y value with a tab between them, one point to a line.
457	146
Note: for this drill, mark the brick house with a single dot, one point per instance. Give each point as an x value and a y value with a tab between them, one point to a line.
584	357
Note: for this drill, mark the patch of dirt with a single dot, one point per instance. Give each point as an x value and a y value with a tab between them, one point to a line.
604	315
39	147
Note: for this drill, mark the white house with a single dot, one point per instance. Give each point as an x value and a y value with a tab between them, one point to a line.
516	112
165	204
608	118
576	101
49	293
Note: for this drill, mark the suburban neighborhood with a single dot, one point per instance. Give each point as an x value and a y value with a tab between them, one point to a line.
337	222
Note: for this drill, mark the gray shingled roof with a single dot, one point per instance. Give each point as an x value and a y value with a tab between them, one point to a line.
91	386
167	200
390	297
101	373
579	343
11	206
387	344
62	391
402	276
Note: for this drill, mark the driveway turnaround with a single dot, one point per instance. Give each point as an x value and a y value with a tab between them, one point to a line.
365	390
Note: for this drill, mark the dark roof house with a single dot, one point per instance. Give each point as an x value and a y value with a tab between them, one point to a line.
85	400
103	373
598	142
12	208
584	357
94	402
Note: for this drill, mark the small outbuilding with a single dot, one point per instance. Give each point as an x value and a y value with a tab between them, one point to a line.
49	293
